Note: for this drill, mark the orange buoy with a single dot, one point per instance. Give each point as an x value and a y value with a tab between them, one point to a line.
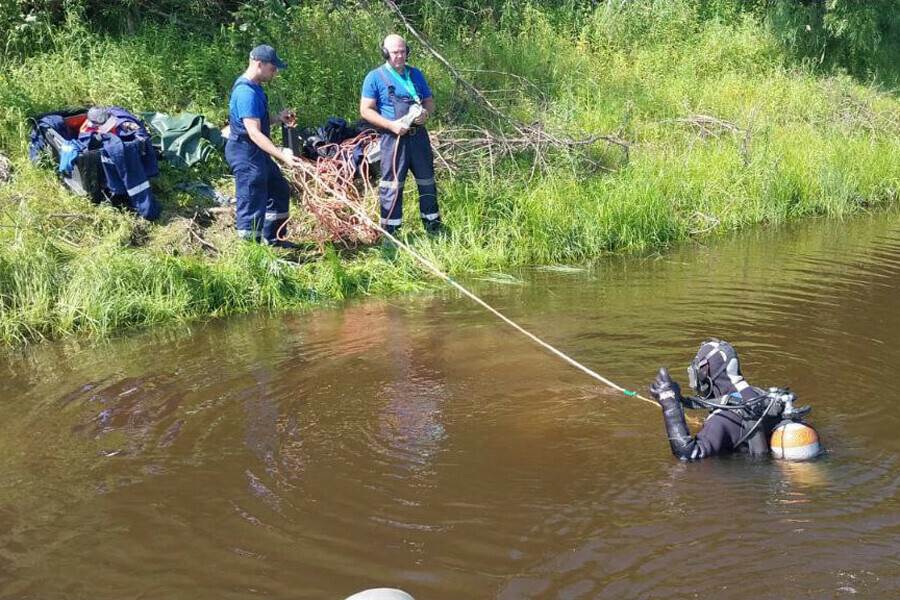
794	440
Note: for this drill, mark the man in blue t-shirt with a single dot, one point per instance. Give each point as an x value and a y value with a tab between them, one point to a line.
262	194
389	94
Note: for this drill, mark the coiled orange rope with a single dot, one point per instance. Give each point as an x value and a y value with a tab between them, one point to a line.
318	183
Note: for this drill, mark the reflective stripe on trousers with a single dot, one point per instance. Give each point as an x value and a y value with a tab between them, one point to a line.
261	192
414	153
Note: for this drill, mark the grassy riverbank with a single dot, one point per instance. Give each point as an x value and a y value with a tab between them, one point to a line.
786	141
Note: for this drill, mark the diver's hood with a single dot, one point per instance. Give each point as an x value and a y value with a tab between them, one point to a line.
716	372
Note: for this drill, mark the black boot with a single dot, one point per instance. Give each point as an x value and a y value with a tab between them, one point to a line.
434	228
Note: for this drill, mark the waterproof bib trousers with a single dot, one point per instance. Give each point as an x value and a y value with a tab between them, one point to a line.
262	194
413	152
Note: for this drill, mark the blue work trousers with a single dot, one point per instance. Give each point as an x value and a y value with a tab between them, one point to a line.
262	194
412	153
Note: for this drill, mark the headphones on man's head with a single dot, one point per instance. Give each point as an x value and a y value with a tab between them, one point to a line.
385	55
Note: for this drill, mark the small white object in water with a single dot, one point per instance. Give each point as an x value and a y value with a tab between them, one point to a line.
381	594
501	278
561	269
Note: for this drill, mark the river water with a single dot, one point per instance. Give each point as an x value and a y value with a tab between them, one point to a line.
421	443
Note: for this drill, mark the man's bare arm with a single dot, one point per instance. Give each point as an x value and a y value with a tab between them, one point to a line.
265	144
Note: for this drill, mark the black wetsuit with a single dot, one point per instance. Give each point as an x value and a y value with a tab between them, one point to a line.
725	430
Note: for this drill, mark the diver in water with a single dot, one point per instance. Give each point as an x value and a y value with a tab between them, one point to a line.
742	417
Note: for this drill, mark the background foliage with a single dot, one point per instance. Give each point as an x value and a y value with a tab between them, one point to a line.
737	113
861	37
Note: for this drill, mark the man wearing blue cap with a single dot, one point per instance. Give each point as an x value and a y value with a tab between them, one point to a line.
263	195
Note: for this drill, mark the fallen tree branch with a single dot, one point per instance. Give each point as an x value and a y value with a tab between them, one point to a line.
472	146
710	125
193	234
70	216
5	169
219	210
544	98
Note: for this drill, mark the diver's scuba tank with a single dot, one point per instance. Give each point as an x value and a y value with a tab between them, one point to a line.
792	439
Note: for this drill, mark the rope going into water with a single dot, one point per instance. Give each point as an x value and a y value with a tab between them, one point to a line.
497	313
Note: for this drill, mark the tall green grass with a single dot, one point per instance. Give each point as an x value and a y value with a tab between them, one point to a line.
798	144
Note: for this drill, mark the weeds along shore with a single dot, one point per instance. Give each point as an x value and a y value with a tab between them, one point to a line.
727	128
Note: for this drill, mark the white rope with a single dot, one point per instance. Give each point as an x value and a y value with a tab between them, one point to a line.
504	318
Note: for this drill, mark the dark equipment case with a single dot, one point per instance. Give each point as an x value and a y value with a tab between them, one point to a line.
86	176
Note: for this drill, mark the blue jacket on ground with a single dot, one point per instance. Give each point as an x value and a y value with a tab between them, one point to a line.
129	161
128	167
38	143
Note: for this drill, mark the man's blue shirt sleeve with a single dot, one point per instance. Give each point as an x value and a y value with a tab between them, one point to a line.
247	103
370	86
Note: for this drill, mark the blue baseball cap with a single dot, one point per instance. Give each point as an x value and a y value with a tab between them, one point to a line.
267	54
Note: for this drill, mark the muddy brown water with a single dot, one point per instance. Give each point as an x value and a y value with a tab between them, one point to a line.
420	443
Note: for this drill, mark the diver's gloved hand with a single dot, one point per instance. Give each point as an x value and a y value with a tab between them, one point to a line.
664	390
